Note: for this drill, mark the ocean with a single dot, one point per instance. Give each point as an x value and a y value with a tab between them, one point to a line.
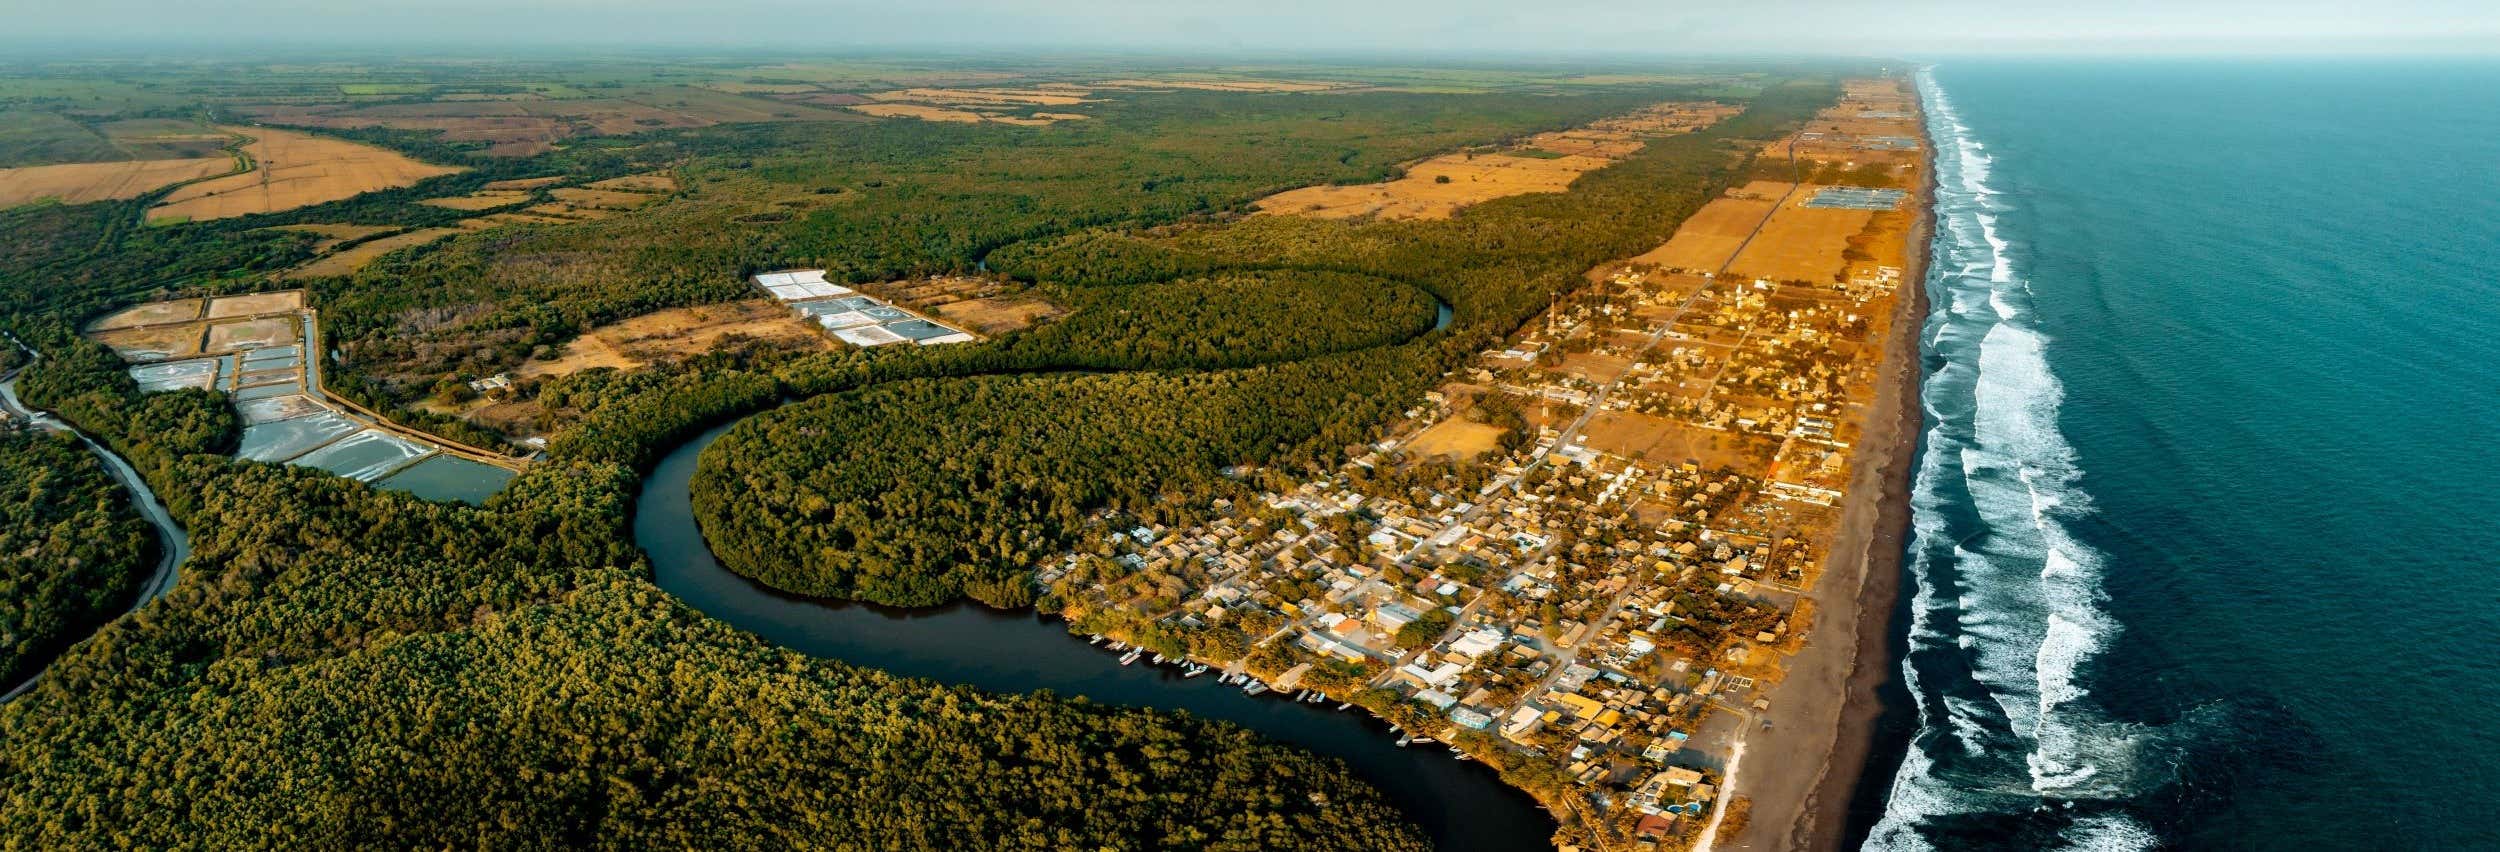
2206	537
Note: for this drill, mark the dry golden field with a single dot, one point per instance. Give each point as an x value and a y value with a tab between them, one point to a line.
924	113
1456	437
332	235
1225	85
1423	194
486	199
1436	188
1711	237
294	170
79	183
1800	243
676	334
355	257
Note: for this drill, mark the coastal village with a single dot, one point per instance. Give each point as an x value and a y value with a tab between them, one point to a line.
1582	560
1585	558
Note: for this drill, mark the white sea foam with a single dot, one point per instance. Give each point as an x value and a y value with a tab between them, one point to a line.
2014	598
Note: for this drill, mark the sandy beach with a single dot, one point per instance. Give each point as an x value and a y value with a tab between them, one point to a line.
1799	775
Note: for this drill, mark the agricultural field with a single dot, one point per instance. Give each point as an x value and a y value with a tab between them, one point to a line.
291	170
1801	243
524	124
1709	239
80	183
1435	188
1440	186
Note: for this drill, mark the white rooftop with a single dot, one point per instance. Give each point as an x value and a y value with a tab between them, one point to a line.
868	335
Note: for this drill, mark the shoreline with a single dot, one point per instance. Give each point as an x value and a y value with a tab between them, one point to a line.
1804	772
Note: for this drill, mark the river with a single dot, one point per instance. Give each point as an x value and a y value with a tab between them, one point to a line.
1459	805
174	546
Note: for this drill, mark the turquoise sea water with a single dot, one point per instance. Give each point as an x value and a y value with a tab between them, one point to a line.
2207	548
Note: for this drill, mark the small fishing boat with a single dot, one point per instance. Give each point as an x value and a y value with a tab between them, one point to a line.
1097	639
1255	687
1130	657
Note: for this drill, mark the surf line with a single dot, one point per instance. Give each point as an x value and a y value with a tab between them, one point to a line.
2007	608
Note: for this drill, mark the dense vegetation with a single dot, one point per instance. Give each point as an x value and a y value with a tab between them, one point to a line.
916	493
73	552
342	667
870	202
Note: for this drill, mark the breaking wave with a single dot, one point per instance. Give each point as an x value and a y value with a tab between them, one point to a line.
2008	614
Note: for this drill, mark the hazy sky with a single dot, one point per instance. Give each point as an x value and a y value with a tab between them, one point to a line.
1512	26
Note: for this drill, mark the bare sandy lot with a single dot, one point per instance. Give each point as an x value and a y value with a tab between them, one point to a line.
677	334
152	313
294	170
158	343
79	183
1660	440
586	352
1456	437
347	262
282	301
1594	367
995	316
250	334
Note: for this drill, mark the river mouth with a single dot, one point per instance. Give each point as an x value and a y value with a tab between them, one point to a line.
1459	805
